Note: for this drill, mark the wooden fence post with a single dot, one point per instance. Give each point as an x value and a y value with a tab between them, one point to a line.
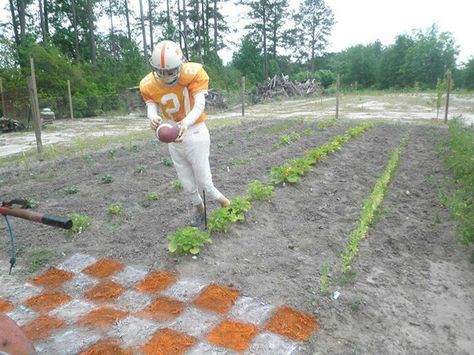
243	95
448	91
338	85
70	98
4	109
35	106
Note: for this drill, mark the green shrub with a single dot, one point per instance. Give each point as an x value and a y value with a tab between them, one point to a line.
188	240
258	191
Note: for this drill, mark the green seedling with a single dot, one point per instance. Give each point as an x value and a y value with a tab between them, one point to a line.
79	223
231	141
115	210
71	190
323	281
308	132
286	139
188	240
106	179
31	202
152	196
112	152
166	161
177	185
295	136
133	148
141	169
38	258
88	157
259	192
221	219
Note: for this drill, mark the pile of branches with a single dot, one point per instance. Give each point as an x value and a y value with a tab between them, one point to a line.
10	125
215	100
282	86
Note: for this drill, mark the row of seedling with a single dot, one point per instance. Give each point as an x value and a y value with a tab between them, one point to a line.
190	239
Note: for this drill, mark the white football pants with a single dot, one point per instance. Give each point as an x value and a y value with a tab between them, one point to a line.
191	161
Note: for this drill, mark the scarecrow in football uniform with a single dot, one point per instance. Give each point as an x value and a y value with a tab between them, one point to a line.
179	89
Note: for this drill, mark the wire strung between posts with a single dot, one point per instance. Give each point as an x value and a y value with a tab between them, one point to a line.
12	243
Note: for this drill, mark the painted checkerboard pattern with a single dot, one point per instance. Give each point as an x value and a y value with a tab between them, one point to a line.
89	306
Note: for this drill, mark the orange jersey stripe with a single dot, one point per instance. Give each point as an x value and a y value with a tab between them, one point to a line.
163	55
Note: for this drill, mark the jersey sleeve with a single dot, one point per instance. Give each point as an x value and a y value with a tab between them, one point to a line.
144	89
200	83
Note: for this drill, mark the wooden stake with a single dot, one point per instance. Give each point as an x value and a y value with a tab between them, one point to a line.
243	95
4	109
70	98
448	91
35	106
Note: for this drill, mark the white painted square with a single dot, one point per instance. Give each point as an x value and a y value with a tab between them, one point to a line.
129	276
22	293
205	348
77	263
79	284
67	342
184	290
248	310
269	343
195	322
133	301
22	315
133	331
72	311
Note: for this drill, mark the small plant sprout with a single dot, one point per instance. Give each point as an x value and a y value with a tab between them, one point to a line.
141	169
106	179
188	240
221	219
31	202
177	185
166	161
323	281
295	136
79	223
115	210
152	196
71	190
38	258
88	157
133	147
258	191
112	152
308	132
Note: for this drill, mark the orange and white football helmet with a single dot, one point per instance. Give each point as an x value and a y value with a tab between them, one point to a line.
166	60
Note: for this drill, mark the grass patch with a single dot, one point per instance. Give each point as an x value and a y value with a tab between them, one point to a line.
38	258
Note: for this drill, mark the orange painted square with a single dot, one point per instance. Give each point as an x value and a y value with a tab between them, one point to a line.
104	291
103	268
5	306
292	324
52	278
155	282
46	301
41	327
102	317
217	298
168	342
106	347
163	308
233	335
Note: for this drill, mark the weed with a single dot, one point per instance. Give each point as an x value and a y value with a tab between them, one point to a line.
166	161
133	147
220	145
71	190
286	139
177	185
31	202
295	136
115	210
141	169
106	179
308	132
152	196
323	281
231	141
112	153
437	218
38	258
188	240
258	191
79	223
88	158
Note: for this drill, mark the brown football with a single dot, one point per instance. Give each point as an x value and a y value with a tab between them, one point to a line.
167	132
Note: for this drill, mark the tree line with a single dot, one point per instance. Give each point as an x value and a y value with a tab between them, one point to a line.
103	46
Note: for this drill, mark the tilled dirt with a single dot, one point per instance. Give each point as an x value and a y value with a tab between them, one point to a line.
412	291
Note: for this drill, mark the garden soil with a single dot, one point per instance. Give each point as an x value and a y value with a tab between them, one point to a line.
411	290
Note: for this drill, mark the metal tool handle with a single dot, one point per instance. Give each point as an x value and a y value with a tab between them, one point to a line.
47	219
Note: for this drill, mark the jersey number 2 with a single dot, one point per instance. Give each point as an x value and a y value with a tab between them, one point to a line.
173	98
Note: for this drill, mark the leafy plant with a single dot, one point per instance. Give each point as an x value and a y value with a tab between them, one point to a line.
141	169
79	223
308	132
188	240
259	191
31	202
221	219
115	210
295	136
106	179
71	190
177	185
323	281
166	161
285	173
112	152
88	157
152	196
286	139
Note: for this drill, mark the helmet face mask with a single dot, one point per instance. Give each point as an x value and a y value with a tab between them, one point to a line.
166	61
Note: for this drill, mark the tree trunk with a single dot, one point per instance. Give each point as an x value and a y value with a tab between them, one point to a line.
142	22
265	54
313	44
185	26
43	29
112	46
150	20
90	15
21	18
15	24
179	25
76	35
203	28
216	47
198	29
46	21
129	33
168	21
